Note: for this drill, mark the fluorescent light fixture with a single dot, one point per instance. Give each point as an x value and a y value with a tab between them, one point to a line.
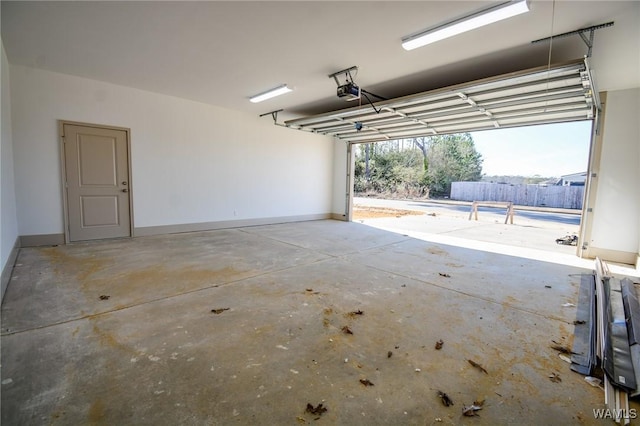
467	23
280	90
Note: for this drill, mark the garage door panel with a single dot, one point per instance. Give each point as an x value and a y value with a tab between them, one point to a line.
558	93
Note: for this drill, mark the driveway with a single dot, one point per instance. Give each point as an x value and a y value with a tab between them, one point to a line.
534	231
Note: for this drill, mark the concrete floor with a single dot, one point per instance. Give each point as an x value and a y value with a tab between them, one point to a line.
155	353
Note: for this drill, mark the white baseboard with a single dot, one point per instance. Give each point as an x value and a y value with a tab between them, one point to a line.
41	240
225	224
7	269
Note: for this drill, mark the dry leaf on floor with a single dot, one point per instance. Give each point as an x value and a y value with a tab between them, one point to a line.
555	377
470	411
446	401
478	366
319	410
104	297
439	344
219	310
389	354
366	382
562	349
346	330
354	313
442	274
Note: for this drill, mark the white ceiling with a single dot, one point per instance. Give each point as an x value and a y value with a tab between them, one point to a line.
221	53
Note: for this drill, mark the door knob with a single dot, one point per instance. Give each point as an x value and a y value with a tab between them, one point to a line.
124	182
125	190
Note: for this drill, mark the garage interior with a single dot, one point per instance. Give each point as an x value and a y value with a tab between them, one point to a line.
241	293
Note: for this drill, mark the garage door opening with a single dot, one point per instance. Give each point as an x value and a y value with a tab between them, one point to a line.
406	186
558	93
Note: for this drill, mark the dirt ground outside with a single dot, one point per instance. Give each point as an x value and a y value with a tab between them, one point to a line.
361	212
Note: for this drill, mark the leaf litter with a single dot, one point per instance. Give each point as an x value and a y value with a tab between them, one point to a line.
478	366
472	409
446	401
317	411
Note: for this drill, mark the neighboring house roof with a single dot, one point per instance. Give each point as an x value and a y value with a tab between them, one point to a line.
574	176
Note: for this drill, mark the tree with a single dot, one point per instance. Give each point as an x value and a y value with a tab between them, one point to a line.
398	172
452	158
425	165
422	144
392	170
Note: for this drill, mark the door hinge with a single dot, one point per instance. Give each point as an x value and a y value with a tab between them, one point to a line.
590	210
593	175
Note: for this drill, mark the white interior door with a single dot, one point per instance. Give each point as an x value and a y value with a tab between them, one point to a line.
97	185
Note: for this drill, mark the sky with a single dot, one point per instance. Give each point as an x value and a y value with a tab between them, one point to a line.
549	150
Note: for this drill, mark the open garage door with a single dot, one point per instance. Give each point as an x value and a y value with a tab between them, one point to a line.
558	93
551	94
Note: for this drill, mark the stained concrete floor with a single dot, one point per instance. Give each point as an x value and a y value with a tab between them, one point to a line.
153	352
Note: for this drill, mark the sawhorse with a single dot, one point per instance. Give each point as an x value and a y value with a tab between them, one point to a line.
507	204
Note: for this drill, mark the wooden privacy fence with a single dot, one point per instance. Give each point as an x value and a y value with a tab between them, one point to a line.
566	197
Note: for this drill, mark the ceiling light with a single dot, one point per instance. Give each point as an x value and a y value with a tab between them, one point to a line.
467	23
280	90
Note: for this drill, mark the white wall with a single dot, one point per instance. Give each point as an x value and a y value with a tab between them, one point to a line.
8	219
617	206
339	179
616	44
191	162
